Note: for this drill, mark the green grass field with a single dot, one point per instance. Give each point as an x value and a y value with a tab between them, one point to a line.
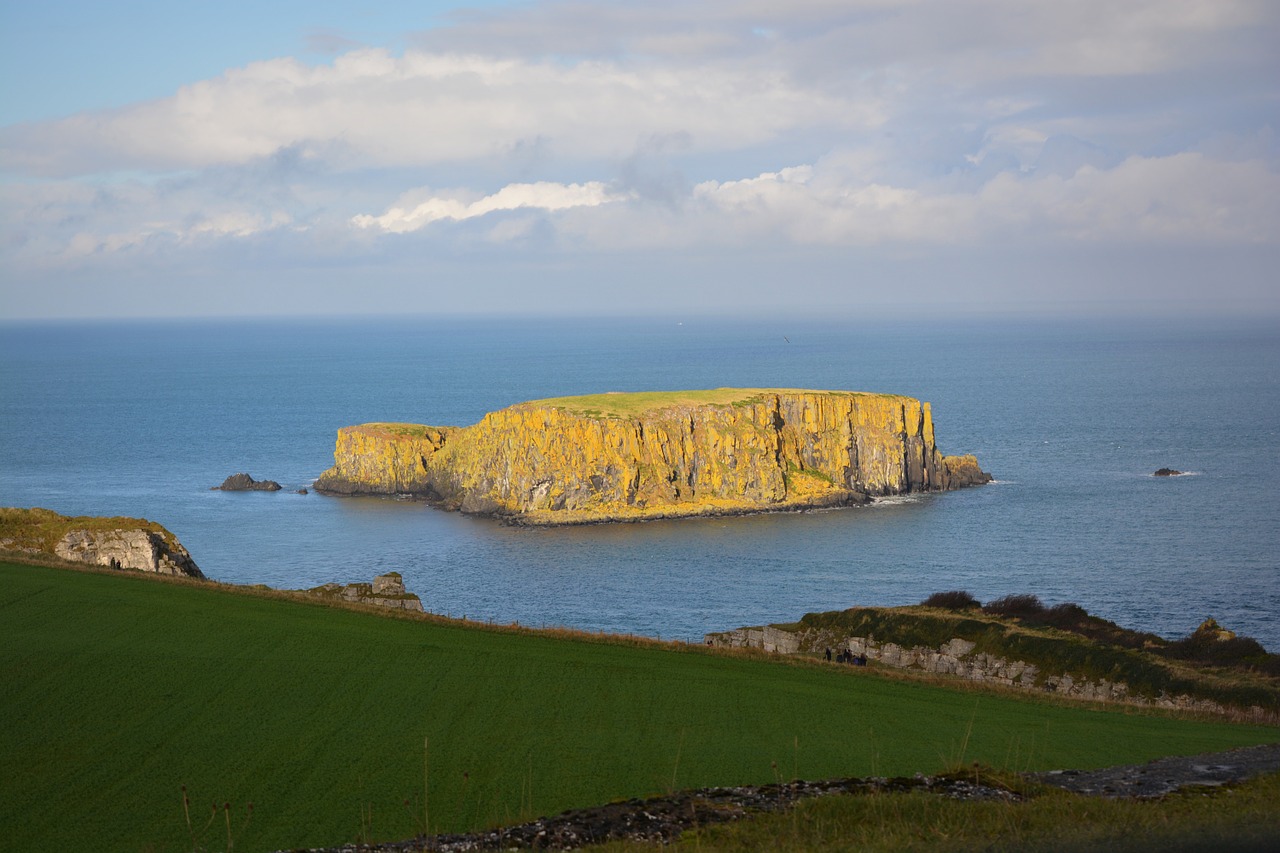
120	689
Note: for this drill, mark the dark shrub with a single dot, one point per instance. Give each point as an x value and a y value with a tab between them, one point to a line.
1015	605
956	599
1065	616
1231	652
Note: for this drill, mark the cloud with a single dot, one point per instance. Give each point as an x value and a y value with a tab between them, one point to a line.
66	222
371	109
963	40
731	127
1180	200
845	199
409	215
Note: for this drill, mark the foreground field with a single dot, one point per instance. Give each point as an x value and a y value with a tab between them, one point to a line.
1238	819
119	690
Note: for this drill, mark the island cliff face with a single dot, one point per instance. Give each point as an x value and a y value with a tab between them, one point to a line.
615	457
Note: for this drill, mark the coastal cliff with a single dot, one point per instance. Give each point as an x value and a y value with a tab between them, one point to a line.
616	457
120	543
1062	650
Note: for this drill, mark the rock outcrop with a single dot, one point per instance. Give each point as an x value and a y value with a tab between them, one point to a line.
1009	654
143	550
245	483
1167	472
385	591
119	543
621	457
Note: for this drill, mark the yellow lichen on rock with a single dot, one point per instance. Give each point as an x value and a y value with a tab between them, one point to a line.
383	458
565	461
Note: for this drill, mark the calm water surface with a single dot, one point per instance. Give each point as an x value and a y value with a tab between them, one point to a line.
142	418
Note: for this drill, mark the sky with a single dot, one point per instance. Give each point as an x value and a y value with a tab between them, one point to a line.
827	158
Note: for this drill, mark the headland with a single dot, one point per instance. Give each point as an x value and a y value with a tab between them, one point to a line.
116	542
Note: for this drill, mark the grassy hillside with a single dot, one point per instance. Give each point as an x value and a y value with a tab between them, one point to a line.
118	690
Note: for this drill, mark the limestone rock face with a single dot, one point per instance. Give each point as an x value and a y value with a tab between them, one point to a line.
118	542
559	461
143	550
385	591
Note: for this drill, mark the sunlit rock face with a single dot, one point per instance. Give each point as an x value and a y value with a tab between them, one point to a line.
142	550
631	457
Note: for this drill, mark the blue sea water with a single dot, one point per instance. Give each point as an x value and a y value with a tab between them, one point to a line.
142	418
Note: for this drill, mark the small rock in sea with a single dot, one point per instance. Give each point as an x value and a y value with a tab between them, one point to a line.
1168	472
302	491
245	483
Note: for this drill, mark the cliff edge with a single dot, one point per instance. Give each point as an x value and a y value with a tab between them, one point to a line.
628	457
1062	650
119	543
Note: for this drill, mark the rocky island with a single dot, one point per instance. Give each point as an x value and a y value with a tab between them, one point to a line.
245	483
637	456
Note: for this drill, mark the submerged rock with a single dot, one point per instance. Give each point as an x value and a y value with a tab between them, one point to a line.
245	483
1167	472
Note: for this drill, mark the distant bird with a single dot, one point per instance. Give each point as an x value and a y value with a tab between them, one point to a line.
785	338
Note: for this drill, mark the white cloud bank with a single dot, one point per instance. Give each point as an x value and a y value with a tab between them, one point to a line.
410	215
1180	199
371	109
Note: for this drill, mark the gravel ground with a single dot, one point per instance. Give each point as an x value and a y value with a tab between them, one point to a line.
660	819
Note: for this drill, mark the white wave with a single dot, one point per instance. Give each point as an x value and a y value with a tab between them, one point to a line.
894	500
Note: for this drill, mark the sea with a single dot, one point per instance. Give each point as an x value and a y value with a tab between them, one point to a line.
142	418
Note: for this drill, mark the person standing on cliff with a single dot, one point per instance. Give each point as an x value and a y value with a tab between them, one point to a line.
828	655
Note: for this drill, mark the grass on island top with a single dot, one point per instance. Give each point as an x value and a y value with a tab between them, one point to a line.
401	429
119	689
618	404
633	404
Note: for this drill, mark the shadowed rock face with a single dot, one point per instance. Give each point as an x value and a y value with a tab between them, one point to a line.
554	462
245	483
143	550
